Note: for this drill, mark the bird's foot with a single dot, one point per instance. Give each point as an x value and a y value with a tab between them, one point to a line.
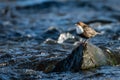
85	44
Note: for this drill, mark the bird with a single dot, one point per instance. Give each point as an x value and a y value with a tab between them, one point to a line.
85	31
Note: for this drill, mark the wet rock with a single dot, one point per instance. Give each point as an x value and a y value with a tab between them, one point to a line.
113	57
50	41
72	62
51	32
93	57
82	57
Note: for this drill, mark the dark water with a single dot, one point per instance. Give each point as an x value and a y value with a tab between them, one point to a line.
24	26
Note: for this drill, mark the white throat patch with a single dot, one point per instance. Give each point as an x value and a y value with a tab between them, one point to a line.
79	30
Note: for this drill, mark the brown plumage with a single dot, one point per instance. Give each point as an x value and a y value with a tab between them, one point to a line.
85	31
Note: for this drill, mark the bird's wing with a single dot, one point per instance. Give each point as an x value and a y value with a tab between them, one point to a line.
90	32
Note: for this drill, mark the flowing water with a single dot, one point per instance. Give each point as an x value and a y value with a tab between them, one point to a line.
25	25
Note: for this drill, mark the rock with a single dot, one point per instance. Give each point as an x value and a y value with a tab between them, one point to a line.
82	57
92	57
67	57
51	32
72	62
50	41
113	58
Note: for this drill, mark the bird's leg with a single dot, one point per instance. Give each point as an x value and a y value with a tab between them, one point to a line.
82	40
85	42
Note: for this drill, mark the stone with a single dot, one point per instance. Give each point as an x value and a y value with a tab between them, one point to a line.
92	57
81	57
51	32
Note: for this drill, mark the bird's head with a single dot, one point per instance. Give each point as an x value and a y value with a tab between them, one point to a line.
79	28
80	24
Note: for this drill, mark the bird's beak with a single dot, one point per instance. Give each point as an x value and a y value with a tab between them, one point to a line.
76	25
